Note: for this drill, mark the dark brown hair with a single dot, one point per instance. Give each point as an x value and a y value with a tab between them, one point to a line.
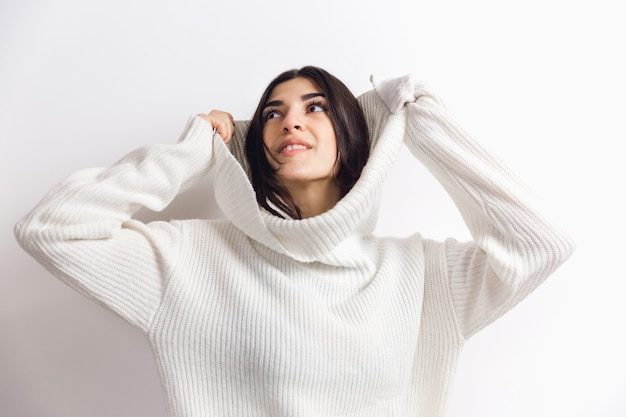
350	130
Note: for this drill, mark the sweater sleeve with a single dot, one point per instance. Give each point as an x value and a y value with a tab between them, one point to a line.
83	231
514	247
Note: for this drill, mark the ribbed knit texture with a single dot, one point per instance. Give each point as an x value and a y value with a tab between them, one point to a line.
260	316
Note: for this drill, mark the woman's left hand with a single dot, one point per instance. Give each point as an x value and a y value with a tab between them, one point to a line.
222	121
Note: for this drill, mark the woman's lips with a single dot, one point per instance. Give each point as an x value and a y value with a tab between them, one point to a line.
290	147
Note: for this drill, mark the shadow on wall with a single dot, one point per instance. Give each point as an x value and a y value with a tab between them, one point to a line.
61	351
198	202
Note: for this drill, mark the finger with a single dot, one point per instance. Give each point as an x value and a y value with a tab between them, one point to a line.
225	130
222	122
231	127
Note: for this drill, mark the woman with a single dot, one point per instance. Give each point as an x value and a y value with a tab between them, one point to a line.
290	306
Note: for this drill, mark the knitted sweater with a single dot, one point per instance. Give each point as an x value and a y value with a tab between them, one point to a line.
255	315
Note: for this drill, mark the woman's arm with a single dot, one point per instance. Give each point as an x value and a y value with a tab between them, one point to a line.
514	247
83	231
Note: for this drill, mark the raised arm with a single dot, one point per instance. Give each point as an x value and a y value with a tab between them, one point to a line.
514	247
84	233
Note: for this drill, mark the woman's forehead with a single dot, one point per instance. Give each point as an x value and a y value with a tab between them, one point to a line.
296	87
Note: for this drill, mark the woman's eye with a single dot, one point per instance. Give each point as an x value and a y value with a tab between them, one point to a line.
313	108
272	114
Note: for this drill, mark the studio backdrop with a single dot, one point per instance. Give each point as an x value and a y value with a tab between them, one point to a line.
538	83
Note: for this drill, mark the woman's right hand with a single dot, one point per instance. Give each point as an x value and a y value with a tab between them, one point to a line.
222	121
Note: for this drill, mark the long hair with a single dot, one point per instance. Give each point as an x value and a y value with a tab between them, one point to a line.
350	129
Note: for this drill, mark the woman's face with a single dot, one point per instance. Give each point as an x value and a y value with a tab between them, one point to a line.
298	134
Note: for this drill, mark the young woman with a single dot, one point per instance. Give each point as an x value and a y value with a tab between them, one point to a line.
290	306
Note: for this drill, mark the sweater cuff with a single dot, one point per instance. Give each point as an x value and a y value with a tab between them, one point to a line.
396	92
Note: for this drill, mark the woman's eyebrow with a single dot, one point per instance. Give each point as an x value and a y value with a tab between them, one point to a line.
305	97
312	95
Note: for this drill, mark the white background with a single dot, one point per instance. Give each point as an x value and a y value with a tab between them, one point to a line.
540	83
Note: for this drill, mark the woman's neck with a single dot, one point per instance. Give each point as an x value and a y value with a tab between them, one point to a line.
315	198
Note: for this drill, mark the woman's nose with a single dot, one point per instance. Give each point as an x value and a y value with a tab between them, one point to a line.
292	121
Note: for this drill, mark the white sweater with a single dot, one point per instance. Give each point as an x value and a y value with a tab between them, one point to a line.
255	315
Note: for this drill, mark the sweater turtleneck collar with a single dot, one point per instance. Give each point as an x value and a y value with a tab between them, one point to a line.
316	238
